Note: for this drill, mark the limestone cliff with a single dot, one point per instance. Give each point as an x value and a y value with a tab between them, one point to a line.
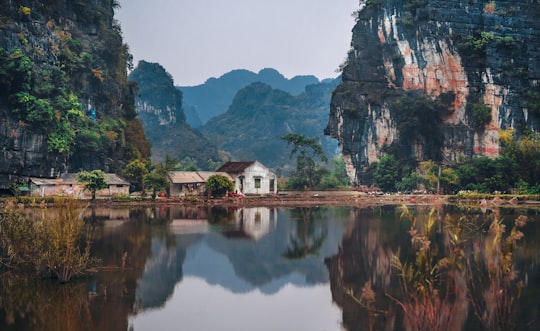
159	105
65	101
436	80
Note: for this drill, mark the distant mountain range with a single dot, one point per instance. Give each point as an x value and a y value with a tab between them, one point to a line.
245	114
259	115
202	102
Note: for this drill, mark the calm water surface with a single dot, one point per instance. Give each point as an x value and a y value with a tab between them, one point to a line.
335	268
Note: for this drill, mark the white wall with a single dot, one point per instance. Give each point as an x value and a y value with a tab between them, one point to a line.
256	170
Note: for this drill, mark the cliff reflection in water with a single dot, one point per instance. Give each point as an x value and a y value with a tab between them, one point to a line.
240	250
448	269
335	268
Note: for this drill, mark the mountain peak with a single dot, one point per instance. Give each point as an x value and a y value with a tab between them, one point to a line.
214	96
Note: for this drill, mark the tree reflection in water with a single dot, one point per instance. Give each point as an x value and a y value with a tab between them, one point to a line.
456	272
307	239
435	269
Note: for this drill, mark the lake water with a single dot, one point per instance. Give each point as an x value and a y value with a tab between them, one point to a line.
315	268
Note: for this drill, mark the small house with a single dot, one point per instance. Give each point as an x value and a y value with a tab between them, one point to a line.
251	177
117	186
183	183
67	185
61	186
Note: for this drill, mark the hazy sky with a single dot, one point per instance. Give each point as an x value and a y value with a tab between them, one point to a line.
198	39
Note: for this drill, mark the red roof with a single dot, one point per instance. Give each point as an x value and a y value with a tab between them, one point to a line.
233	167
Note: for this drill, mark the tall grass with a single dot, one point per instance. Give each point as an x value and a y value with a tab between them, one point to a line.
468	268
453	272
52	242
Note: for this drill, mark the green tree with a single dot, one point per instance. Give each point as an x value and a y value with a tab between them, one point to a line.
480	115
409	183
487	175
135	172
428	171
387	173
188	164
93	181
219	185
170	163
307	150
337	177
449	180
525	155
157	179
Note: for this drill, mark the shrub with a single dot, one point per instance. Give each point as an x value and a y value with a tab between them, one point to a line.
219	185
373	2
25	10
56	245
479	115
532	101
490	8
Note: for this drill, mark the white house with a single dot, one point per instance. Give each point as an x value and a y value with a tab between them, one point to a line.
251	177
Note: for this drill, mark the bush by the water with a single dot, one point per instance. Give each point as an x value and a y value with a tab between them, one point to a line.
48	242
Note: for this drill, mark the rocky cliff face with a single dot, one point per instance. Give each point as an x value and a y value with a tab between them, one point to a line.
437	79
159	105
65	101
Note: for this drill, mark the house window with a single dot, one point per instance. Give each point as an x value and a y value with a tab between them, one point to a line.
257	183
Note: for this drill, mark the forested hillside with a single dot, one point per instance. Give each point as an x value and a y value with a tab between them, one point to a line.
65	101
259	115
159	105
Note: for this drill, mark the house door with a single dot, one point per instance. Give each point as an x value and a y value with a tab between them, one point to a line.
241	186
272	183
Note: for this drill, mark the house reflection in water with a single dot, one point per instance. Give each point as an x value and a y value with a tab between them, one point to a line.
253	223
256	222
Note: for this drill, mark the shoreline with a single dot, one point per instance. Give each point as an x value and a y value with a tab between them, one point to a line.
306	198
336	198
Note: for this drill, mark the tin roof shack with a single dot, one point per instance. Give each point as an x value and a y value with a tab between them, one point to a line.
184	183
67	185
117	186
251	177
61	186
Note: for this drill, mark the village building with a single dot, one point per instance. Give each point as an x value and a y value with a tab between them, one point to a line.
67	185
251	177
184	183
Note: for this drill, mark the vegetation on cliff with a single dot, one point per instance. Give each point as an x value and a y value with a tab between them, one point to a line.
159	105
516	170
441	82
312	169
259	115
63	74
